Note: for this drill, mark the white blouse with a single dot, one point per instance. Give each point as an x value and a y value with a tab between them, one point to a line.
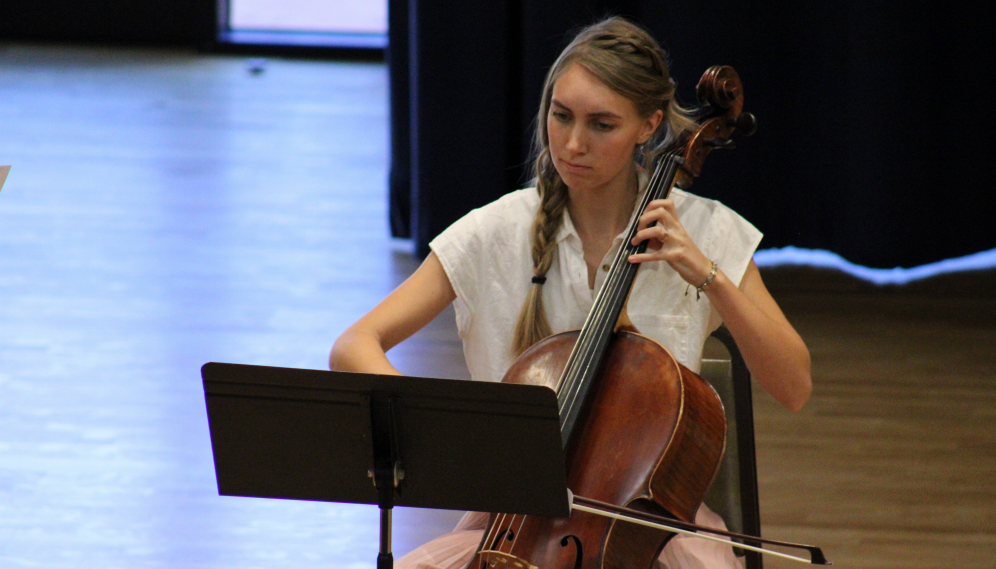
486	255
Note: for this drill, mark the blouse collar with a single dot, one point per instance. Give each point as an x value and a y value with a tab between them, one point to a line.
567	226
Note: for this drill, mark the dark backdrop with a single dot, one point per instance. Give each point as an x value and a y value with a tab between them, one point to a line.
874	124
138	22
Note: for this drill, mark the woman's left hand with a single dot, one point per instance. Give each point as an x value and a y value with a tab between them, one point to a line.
668	241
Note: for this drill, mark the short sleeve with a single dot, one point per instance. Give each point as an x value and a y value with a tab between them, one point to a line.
482	249
721	233
457	248
733	242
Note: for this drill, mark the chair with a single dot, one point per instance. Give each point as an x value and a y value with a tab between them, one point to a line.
733	494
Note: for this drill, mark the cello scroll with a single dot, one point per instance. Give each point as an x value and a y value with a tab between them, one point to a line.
721	95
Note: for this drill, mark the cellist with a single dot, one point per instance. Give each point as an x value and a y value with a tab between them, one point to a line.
529	264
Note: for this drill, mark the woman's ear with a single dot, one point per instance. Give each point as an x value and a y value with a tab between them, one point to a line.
650	126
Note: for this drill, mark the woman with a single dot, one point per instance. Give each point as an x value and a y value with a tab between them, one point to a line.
607	109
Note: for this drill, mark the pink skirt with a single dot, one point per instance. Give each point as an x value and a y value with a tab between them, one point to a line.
456	549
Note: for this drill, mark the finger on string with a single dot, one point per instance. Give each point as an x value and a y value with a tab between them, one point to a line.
664	210
654	245
659	203
664	222
644	257
657	233
648	217
640	237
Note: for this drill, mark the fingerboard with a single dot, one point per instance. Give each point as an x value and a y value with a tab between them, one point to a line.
586	358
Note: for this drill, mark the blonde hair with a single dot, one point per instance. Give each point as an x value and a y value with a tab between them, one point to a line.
630	62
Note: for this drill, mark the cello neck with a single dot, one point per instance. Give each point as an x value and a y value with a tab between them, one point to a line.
586	358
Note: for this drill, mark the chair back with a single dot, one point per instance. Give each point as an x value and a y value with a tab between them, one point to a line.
733	494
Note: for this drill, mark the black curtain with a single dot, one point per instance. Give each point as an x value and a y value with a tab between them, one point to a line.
145	22
873	139
400	174
462	118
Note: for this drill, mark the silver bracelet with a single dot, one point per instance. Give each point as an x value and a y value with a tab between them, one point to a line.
708	281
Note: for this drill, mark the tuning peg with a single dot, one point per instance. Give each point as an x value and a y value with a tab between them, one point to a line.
721	143
745	124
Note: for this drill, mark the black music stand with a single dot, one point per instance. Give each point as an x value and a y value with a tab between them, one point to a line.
428	443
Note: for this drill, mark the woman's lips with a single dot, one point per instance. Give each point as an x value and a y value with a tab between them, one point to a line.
575	168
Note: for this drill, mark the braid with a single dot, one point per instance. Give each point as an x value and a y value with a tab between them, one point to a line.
553	201
647	55
638	68
533	325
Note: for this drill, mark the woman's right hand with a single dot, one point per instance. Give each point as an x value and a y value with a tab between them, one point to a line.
669	242
363	346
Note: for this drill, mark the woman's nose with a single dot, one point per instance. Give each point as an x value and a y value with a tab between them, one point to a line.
576	142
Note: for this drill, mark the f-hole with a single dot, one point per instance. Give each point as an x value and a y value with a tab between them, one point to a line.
505	533
578	550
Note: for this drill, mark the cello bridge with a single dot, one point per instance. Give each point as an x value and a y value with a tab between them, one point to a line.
499	560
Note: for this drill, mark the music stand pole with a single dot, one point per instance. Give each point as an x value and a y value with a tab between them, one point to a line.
385	559
386	476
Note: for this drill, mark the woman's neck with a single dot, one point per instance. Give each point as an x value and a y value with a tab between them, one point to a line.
599	214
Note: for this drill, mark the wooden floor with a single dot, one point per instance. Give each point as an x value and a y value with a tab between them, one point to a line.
166	209
893	461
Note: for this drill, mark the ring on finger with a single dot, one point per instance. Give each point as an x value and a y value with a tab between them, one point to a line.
667	233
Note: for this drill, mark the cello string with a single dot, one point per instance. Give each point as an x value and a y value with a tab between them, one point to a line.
518	532
604	300
610	294
619	263
571	380
490	534
507	522
499	522
601	306
613	294
598	313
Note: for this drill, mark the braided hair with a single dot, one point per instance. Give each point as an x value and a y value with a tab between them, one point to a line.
629	61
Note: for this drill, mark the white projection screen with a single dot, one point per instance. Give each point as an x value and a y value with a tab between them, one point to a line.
337	16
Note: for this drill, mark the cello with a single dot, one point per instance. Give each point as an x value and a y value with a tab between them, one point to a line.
643	435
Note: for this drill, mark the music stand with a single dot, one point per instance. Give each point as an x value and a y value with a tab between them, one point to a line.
428	443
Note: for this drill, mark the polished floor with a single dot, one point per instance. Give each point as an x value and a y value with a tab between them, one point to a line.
166	209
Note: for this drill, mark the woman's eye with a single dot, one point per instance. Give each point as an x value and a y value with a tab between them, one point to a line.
560	116
604	126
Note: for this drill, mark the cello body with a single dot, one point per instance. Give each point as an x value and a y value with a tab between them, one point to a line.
647	441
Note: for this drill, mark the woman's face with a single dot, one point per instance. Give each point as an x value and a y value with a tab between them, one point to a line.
593	131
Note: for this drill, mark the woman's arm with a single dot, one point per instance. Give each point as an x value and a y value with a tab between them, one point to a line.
775	353
364	345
